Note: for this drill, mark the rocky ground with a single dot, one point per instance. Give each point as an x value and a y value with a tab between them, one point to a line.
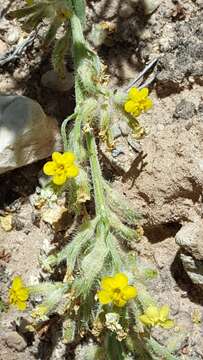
161	175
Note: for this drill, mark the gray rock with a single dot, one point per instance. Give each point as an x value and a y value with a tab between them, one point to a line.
190	238
26	133
52	81
115	130
135	145
15	341
118	151
125	129
184	110
194	268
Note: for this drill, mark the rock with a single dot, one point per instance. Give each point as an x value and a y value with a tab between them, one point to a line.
12	36
115	130
15	341
184	110
6	222
190	238
125	129
135	144
57	216
26	133
3	47
52	81
183	60
126	10
118	151
150	6
194	268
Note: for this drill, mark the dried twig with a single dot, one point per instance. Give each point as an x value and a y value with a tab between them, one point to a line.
143	72
18	50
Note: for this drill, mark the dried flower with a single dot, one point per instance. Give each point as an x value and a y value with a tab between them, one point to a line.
61	167
116	290
154	316
137	101
18	294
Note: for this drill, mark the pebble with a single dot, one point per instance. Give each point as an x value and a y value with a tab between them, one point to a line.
135	145
118	151
3	47
184	110
15	341
150	6
115	130
12	36
125	129
52	81
26	133
126	10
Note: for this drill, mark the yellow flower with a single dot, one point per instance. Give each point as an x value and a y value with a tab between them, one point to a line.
138	101
61	167
154	316
18	294
116	290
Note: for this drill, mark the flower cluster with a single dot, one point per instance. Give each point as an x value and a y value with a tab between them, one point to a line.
61	167
154	316
116	290
18	294
137	101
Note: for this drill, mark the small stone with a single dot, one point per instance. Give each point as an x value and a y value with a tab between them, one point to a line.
3	47
118	151
12	36
135	145
52	81
20	74
125	129
184	110
115	130
189	237
194	269
6	222
150	6
126	10
200	108
15	341
26	133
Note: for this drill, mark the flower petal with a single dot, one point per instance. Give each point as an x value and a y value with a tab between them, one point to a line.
148	104
145	320
59	179
133	94
57	157
121	280
107	283
72	171
21	305
68	158
50	168
119	302
152	312
164	312
23	294
129	106
168	324
17	283
144	93
104	297
129	292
